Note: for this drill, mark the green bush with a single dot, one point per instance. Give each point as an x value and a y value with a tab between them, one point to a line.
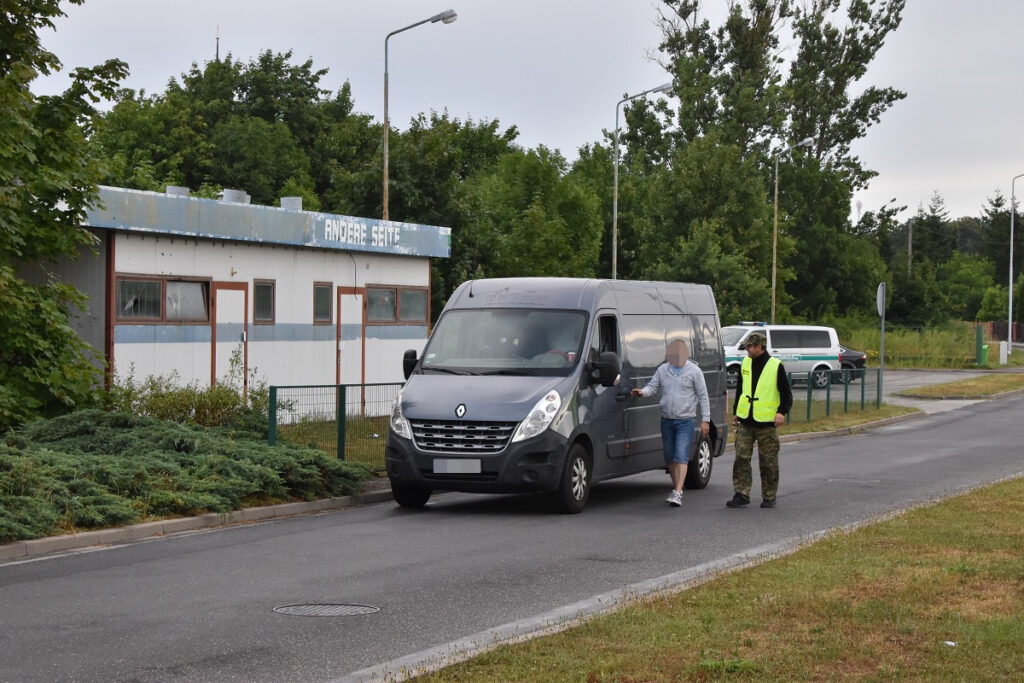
92	469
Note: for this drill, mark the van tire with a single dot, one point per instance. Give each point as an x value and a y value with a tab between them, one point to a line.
820	377
732	377
574	488
410	496
698	473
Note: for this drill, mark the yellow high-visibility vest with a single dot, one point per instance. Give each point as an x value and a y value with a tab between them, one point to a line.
766	397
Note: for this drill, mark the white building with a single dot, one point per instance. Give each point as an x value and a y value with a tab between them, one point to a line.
302	297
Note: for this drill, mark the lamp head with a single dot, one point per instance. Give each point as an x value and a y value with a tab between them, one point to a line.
806	142
447	17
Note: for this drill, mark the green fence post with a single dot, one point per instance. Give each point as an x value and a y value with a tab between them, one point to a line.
847	378
272	418
810	388
979	339
789	378
828	396
341	422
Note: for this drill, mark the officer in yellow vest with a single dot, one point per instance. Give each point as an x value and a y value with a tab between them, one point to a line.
761	404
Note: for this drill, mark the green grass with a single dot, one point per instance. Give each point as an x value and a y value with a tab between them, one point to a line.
953	347
364	438
976	387
877	603
820	422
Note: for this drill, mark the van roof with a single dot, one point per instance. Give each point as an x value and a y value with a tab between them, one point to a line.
759	327
627	296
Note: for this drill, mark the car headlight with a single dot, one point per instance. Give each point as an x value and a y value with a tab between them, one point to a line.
539	418
399	425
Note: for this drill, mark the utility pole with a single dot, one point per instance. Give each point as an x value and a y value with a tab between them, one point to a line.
910	245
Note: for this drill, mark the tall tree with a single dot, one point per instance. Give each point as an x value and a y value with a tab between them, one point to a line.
47	179
833	56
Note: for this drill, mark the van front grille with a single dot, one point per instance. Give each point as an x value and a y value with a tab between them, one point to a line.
444	436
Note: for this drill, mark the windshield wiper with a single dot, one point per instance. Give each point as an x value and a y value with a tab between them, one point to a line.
449	371
526	373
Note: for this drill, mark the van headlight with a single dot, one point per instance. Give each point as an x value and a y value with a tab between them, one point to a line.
539	418
399	425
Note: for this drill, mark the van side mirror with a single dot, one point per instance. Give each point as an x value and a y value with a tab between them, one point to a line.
604	370
409	362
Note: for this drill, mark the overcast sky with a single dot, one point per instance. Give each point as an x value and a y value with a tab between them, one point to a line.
556	68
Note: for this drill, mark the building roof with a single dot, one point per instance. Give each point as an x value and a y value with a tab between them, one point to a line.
154	212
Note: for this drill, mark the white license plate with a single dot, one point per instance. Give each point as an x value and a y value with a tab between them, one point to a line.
456	465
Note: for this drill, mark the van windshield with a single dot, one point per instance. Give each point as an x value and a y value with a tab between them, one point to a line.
732	335
506	341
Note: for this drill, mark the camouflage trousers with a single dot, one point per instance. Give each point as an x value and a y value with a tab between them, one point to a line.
767	458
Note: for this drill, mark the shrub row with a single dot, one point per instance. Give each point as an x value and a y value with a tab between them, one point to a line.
93	469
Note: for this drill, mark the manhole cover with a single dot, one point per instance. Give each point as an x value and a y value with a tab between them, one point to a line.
322	610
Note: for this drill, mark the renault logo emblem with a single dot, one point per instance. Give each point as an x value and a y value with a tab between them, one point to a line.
461	410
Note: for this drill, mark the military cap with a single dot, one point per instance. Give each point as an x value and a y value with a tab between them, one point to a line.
755	338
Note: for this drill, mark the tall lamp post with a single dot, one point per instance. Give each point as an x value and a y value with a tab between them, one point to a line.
1013	211
775	218
447	17
664	87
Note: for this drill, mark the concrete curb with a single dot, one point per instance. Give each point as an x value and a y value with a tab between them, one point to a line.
21	550
961	397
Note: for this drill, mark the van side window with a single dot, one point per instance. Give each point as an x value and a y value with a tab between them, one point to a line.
784	339
644	337
705	347
606	337
815	339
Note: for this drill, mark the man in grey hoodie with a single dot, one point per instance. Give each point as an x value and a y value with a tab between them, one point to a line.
683	390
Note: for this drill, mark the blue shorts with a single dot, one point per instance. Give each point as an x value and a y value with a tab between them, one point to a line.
676	439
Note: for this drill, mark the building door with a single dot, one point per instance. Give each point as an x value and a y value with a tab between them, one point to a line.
229	305
351	337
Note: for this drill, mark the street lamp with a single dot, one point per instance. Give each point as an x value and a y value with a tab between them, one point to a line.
446	17
664	87
775	219
1013	210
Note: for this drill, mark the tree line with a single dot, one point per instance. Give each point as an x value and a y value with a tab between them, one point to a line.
696	167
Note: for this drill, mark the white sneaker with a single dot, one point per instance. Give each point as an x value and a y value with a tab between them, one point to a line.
675	499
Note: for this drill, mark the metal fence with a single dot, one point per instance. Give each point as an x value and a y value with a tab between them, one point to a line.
348	421
821	395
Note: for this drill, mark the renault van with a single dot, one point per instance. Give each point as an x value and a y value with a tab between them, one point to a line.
523	386
809	352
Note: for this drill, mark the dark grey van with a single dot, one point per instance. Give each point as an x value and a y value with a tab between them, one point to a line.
523	387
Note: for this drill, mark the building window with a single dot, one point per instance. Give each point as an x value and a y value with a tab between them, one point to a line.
186	301
263	301
322	302
163	300
412	305
381	304
138	299
396	305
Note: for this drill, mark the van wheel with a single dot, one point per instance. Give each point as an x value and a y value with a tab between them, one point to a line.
732	377
410	496
574	489
698	474
820	378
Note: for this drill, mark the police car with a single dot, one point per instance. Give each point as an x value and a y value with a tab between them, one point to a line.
809	352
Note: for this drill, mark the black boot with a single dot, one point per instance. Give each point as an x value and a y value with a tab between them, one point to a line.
738	500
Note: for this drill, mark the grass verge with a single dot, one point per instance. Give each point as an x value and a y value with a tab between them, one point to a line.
837	419
976	387
934	594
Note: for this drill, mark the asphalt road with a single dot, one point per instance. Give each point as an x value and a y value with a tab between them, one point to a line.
200	606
